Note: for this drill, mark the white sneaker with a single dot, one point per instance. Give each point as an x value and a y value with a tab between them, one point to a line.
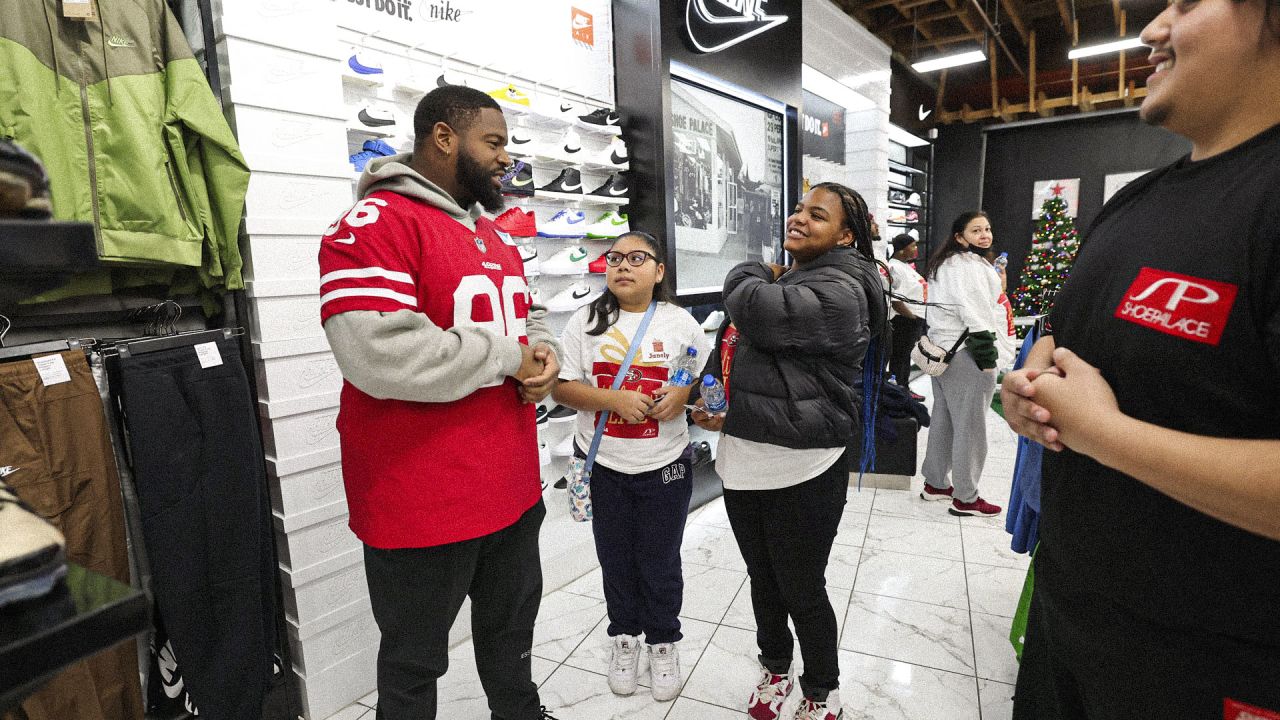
529	256
828	710
770	694
713	321
570	147
564	448
573	260
609	225
565	224
573	297
664	671
535	297
615	156
520	143
624	664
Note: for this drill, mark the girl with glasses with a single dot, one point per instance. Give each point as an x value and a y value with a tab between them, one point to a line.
642	479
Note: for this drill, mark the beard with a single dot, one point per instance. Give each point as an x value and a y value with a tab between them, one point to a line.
474	179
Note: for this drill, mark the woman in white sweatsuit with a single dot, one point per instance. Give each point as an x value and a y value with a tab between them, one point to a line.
963	291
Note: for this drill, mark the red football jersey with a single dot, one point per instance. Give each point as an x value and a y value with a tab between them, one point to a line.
422	474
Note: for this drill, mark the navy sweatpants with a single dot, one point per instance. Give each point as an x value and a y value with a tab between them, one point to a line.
639	524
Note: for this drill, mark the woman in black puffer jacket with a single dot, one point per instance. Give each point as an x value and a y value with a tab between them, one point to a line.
793	411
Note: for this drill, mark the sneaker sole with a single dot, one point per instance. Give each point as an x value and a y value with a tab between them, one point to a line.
971	513
934	498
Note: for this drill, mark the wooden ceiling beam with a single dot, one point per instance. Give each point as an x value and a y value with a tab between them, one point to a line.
1117	13
1065	15
977	6
1010	8
900	24
954	39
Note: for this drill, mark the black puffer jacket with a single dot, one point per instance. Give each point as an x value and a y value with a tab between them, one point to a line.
802	342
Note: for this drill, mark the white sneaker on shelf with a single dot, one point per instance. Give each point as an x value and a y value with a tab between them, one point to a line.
624	664
664	671
569	261
529	256
713	321
569	224
564	448
828	709
535	296
520	143
573	297
570	146
609	225
615	155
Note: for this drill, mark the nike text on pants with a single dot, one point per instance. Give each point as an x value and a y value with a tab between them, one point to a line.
638	521
416	594
785	537
202	490
958	427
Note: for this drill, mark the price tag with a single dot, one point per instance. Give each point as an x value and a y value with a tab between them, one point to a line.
208	355
52	370
79	9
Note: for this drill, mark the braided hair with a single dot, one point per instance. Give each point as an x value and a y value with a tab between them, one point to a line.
857	217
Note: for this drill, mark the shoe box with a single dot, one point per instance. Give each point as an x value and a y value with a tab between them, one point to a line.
297	435
312	26
286	204
326	692
298	376
308	546
306	491
346	629
284	142
282	258
311	602
283	79
286	318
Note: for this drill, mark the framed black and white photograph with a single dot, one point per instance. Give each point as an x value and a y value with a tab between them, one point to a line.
728	180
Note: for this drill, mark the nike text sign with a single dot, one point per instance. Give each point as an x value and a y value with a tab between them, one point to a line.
1180	305
714	25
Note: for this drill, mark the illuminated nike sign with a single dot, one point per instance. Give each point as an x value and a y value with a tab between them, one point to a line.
714	25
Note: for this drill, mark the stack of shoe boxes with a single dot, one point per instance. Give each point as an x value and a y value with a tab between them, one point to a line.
284	94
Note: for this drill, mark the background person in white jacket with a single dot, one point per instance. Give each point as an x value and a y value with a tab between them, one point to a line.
963	291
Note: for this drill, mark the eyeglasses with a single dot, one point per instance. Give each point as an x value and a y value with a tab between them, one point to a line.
635	258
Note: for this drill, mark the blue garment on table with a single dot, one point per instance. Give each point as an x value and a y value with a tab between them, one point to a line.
1023	518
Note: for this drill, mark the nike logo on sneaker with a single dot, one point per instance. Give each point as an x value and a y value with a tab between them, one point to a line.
572	188
578	256
615	192
517	182
565	107
581	293
575	219
350	239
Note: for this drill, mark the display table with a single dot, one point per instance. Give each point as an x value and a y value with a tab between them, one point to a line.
83	616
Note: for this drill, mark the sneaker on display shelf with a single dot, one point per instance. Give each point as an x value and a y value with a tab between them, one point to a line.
828	709
379	146
609	225
445	80
535	296
518	180
914	233
520	143
897	196
375	117
624	665
713	321
556	107
572	298
540	414
664	671
598	266
770	694
517	222
615	187
511	96
977	507
569	261
566	224
561	413
544	458
898	217
570	147
914	199
569	181
365	63
615	155
564	448
603	119
562	483
362	158
529	256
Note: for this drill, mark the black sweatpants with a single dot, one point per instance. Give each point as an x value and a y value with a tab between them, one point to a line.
906	331
202	489
785	537
416	594
1086	658
638	522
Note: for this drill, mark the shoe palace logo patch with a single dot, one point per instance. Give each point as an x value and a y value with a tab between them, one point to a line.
1236	710
1187	307
714	25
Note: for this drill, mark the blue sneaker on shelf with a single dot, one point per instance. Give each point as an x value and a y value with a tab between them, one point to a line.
362	158
379	146
364	64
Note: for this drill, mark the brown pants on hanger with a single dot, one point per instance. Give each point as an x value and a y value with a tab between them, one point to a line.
56	443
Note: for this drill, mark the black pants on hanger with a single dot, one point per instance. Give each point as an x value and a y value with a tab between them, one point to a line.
202	487
416	594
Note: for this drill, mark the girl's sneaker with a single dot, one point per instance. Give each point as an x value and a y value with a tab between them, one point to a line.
828	709
977	507
771	692
624	665
664	671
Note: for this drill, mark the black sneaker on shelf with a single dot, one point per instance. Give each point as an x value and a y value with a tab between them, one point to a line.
562	483
603	119
541	412
569	181
615	187
518	180
560	413
897	196
372	117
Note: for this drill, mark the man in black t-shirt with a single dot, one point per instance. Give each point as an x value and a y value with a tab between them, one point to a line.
1158	575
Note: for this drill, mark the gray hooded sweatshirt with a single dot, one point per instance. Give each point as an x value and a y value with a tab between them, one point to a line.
402	355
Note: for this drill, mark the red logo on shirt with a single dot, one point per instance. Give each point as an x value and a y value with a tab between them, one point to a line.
1236	710
1188	307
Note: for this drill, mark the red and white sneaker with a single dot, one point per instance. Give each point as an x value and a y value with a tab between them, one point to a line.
932	493
771	692
977	507
828	709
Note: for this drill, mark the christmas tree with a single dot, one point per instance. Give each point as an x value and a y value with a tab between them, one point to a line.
1053	250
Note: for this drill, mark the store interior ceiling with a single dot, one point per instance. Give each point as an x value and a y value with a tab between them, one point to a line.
1026	73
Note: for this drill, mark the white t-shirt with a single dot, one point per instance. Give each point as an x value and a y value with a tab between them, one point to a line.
909	284
595	360
750	465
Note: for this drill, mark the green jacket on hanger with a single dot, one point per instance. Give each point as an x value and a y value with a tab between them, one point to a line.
119	111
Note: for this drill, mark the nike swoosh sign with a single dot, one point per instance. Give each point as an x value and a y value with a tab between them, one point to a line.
350	239
712	31
923	113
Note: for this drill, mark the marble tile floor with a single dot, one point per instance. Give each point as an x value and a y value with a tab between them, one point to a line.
923	600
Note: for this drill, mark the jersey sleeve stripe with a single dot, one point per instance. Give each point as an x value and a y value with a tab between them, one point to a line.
366	272
401	298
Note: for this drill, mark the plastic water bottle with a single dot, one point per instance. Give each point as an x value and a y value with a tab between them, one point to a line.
1002	261
685	367
713	398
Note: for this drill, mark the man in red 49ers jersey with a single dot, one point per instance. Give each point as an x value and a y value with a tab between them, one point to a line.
1157	579
428	312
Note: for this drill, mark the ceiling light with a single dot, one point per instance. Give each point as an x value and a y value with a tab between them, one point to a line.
964	58
1117	46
